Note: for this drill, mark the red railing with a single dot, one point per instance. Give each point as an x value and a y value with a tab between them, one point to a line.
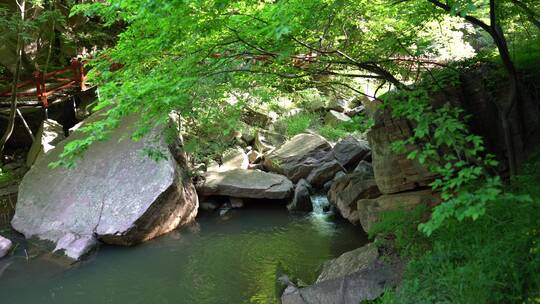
58	81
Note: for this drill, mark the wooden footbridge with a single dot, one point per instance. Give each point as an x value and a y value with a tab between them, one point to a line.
43	90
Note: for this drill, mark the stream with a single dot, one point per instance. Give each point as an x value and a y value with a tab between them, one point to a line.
222	259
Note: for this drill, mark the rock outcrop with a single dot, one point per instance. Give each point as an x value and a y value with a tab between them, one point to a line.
369	210
246	184
298	156
347	190
393	171
115	194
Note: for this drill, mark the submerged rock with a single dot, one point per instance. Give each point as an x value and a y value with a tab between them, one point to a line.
246	184
254	157
236	202
5	246
115	194
298	156
301	200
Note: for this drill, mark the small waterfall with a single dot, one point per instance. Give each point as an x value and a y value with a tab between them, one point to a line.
320	217
320	203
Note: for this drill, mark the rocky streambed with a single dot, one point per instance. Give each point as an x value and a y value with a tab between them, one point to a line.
117	195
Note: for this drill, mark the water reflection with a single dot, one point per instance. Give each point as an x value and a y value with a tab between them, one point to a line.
216	261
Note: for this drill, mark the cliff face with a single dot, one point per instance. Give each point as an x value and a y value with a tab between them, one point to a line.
479	92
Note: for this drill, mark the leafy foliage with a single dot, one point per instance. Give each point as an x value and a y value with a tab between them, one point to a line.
495	259
442	141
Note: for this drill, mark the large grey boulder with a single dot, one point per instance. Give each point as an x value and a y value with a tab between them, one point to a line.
349	151
324	172
357	276
298	156
115	194
49	134
5	246
301	200
394	172
246	184
349	262
370	210
347	190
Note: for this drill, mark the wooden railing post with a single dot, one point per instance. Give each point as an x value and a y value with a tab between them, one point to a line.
41	89
78	73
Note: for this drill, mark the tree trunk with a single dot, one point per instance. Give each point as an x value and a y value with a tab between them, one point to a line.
13	109
513	104
511	110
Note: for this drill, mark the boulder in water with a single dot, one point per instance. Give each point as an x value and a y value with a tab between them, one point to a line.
246	184
301	199
354	277
5	246
349	262
348	189
115	194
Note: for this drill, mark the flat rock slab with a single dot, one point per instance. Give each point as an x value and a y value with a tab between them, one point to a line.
115	194
246	184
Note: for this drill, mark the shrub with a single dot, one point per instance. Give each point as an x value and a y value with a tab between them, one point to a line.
494	259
